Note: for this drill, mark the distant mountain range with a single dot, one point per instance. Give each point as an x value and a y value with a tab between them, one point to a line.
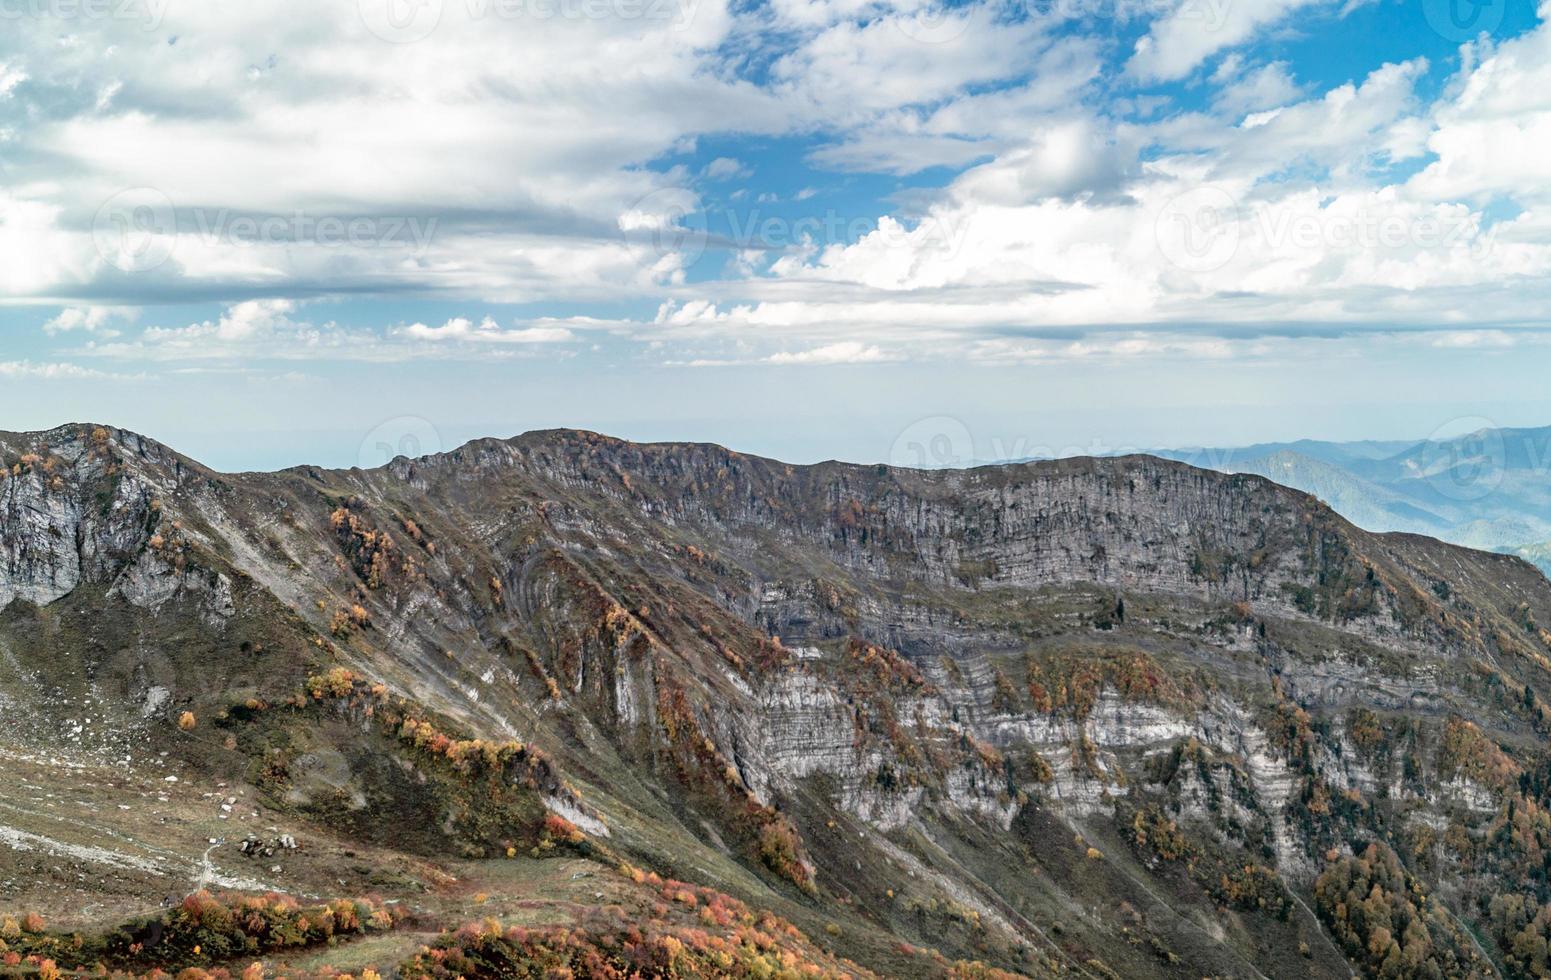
1490	489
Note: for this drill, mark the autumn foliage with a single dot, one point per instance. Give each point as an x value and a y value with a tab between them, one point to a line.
203	931
694	933
703	766
371	553
1071	683
487	774
1385	922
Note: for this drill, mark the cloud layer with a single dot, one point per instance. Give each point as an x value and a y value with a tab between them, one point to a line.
1142	180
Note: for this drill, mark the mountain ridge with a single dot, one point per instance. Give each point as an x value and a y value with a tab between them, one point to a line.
942	710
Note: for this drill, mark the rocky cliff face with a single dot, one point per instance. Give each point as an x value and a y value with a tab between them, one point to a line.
1080	717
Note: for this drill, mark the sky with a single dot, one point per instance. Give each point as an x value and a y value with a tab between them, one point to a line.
330	231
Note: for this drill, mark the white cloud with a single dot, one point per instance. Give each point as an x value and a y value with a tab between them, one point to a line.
89	319
1245	89
1467	339
550	179
854	73
272	329
1195	30
1491	132
241	323
1066	158
59	371
845	352
10	77
486	331
503	129
1291	218
726	168
947	119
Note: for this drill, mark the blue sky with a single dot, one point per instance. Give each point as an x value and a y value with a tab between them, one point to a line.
296	232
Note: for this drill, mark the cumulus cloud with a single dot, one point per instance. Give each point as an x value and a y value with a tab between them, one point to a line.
486	331
1287	216
726	168
525	189
845	352
10	77
239	325
494	163
1490	132
1177	43
89	319
1243	88
276	329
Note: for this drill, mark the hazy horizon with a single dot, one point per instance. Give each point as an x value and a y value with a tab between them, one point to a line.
932	441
